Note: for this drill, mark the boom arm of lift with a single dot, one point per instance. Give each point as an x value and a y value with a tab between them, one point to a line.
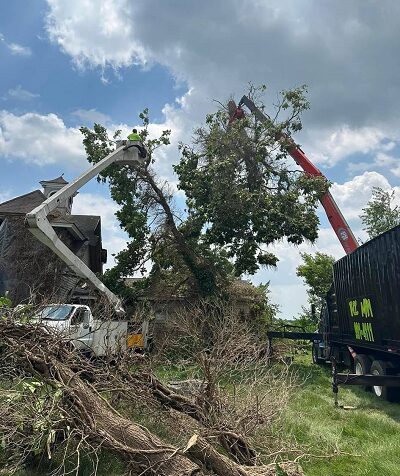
335	217
38	223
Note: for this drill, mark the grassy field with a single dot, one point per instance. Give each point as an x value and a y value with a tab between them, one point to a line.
367	438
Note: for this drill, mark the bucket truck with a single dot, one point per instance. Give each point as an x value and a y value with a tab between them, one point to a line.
77	321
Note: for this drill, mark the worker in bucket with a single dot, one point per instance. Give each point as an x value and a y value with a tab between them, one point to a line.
135	137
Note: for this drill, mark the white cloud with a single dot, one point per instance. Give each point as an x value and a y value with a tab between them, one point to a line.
22	94
353	195
200	45
15	48
40	139
381	160
217	47
91	116
385	160
329	147
357	167
19	49
95	33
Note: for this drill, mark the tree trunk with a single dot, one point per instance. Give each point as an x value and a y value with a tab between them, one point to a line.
202	452
236	445
32	349
146	451
203	274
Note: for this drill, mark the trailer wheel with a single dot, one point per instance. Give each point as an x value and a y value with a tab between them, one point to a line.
391	394
362	366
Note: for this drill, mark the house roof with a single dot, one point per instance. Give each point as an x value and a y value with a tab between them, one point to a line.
59	180
79	225
88	225
23	204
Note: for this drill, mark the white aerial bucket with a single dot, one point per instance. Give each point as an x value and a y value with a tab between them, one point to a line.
130	154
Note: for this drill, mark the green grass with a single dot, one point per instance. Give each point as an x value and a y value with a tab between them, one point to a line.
108	465
367	438
176	372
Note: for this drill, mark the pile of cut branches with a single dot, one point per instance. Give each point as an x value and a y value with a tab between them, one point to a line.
53	399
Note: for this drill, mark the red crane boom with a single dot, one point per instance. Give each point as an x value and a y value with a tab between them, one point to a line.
335	217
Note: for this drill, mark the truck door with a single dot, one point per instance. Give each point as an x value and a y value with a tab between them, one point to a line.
81	331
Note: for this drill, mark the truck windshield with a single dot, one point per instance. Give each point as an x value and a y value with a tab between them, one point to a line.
56	313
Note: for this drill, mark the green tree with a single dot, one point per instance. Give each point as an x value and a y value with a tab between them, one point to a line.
146	213
380	214
316	270
241	196
240	188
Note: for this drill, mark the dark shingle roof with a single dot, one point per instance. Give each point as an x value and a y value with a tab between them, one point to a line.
59	180
23	204
86	224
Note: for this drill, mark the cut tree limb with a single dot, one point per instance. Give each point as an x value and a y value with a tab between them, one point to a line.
145	452
200	451
32	349
235	444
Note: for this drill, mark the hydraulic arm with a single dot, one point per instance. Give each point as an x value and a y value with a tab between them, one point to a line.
335	217
38	223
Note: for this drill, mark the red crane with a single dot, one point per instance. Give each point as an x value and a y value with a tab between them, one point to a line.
335	217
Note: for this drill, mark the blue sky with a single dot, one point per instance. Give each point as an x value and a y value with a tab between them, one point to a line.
66	63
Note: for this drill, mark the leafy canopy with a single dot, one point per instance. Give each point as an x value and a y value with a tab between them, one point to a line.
317	272
380	214
242	195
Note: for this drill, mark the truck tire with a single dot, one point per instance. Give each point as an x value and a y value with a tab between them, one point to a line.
391	394
362	366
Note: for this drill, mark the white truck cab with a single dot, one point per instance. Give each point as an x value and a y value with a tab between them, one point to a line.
77	325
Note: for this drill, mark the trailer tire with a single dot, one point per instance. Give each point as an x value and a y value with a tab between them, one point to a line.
391	394
362	366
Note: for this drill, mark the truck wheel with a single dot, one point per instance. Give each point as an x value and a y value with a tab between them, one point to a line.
316	359
362	366
391	394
